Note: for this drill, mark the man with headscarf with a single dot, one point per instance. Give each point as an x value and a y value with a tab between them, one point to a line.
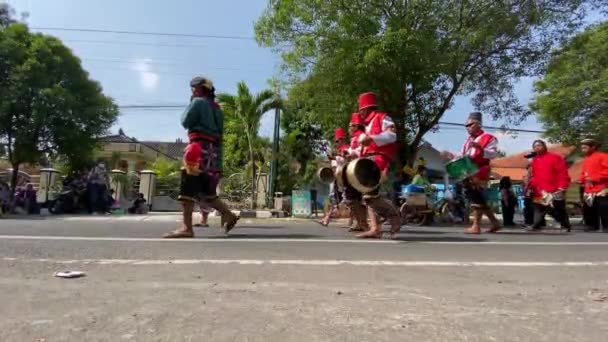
378	143
549	181
481	147
594	178
202	158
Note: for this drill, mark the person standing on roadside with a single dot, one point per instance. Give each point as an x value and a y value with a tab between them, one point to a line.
508	201
98	183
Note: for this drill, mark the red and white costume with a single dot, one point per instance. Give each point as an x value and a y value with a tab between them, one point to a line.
481	156
340	149
383	146
354	149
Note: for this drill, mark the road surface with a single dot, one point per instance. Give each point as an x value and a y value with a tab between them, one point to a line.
293	280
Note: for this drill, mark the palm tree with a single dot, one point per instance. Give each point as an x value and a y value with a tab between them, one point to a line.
248	109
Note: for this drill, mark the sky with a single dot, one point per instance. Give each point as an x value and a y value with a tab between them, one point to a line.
137	69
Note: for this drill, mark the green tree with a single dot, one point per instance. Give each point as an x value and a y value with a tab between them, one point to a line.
572	98
248	109
48	103
6	15
416	55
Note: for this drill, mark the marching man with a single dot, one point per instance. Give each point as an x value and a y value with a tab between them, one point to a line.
481	147
202	158
594	177
355	129
337	160
378	143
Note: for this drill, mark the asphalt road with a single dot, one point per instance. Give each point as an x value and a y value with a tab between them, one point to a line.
293	280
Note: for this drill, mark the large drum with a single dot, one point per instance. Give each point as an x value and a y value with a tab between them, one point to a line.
461	168
326	175
362	174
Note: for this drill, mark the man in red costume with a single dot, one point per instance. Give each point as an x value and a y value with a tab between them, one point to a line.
480	146
549	180
337	158
378	143
355	129
594	177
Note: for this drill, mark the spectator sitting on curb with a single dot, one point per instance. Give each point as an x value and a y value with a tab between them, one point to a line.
139	205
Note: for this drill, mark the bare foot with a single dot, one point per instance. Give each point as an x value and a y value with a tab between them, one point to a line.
472	231
370	234
231	223
179	234
492	230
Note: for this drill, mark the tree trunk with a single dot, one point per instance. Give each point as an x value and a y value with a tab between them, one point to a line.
253	179
14	177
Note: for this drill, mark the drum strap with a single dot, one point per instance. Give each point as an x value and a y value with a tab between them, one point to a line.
376	154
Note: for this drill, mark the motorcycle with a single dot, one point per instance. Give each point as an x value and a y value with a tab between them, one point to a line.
64	203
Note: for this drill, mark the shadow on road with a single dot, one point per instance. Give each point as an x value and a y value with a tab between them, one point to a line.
556	232
438	239
23	218
267	236
424	232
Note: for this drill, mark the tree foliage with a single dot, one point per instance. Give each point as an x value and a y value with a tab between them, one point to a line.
246	110
572	98
6	15
417	55
48	103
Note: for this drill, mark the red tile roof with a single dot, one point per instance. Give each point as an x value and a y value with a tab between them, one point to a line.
514	166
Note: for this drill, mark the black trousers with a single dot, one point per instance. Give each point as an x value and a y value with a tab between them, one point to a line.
598	214
558	211
528	211
508	212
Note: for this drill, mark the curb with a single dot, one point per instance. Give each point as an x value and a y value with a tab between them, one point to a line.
265	214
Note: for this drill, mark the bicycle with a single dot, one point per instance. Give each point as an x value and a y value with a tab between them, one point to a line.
413	215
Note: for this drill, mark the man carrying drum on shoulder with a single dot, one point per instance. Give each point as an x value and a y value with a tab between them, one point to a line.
378	143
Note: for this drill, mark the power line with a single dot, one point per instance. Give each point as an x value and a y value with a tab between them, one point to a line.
494	128
143	33
453	124
178	62
189	46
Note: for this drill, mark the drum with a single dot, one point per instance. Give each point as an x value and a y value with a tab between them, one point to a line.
340	177
363	174
461	168
326	175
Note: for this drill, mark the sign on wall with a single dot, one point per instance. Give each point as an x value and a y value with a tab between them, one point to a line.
301	203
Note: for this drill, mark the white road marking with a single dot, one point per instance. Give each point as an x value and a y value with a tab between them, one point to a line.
257	262
220	239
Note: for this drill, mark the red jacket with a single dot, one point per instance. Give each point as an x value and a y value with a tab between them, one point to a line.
375	124
549	172
595	167
481	157
354	142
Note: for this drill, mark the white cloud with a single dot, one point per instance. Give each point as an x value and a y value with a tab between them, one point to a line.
148	79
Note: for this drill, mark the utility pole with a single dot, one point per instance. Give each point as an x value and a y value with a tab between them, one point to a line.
275	156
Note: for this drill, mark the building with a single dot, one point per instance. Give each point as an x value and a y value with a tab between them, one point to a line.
515	165
175	149
128	154
434	162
